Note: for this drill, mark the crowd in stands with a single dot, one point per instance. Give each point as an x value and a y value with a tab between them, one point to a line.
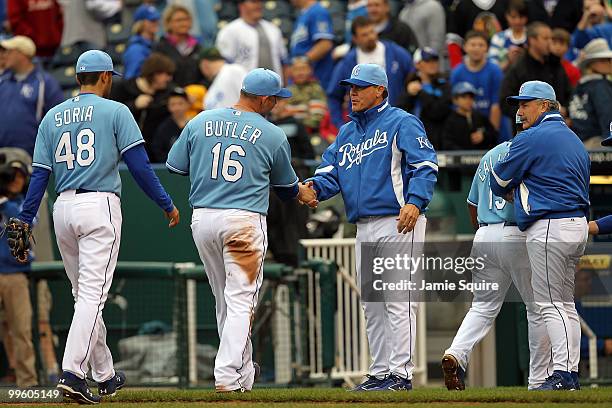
451	63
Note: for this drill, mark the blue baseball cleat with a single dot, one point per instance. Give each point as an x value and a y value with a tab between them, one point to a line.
109	387
559	380
454	375
370	384
76	388
575	380
394	383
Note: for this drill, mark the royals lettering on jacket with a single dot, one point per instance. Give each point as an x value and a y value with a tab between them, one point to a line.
354	154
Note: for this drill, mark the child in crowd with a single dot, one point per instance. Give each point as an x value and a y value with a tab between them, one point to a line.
465	128
559	46
308	102
508	45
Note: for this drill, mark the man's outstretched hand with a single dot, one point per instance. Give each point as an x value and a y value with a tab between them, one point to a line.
307	194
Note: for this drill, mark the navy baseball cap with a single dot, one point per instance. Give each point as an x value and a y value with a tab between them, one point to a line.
462	88
531	90
95	61
264	82
425	54
146	12
367	75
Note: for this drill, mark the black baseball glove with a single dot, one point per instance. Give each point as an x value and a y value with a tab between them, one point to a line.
18	235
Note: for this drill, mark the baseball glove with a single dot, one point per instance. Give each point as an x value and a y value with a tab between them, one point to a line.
18	235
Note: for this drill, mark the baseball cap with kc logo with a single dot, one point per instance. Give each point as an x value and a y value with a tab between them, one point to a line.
95	61
264	82
367	75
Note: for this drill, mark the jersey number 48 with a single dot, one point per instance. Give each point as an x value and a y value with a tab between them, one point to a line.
85	153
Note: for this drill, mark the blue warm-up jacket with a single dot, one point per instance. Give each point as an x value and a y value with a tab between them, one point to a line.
398	64
549	170
380	161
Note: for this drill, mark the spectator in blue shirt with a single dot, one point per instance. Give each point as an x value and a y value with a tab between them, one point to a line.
396	61
146	25
483	74
592	25
313	37
27	92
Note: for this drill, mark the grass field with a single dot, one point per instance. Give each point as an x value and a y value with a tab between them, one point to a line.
421	398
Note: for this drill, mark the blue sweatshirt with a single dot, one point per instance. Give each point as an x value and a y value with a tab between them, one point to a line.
398	64
380	161
137	50
8	264
549	170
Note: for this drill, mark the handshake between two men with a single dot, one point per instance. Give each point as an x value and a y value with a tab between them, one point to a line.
307	194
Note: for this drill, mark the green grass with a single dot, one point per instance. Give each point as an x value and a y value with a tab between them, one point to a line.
422	398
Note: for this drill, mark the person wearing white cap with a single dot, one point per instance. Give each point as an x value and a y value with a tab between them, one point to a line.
232	157
386	169
546	174
590	108
31	91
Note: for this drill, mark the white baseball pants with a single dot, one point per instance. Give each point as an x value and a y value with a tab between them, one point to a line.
88	232
555	247
232	245
390	326
506	261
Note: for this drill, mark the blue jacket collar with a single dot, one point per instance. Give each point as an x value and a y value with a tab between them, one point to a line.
11	75
549	116
370	114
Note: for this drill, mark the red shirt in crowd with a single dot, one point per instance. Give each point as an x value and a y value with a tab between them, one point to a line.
572	72
41	20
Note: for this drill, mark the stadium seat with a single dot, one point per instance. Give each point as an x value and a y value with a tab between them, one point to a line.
229	11
65	76
66	55
132	3
286	27
276	9
334	6
116	52
339	23
118	33
395	7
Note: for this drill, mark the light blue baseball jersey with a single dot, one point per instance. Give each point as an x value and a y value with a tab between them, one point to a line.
81	141
232	157
491	208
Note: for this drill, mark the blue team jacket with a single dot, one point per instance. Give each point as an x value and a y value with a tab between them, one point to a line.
137	51
549	170
380	161
398	64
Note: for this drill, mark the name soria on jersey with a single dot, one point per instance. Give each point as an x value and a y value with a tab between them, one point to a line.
354	154
73	115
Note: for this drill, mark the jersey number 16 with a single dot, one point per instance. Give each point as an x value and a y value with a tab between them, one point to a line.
85	153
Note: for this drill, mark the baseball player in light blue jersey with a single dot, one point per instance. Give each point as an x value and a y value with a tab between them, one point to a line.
547	174
81	142
232	156
502	246
385	168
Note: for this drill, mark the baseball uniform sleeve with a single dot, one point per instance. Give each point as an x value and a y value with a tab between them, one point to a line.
508	173
178	157
282	174
325	179
605	225
321	26
126	130
226	45
472	198
421	163
43	152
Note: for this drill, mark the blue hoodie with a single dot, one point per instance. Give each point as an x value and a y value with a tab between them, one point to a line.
398	64
549	170
380	161
137	50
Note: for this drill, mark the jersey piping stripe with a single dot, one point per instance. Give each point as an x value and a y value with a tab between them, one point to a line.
502	183
551	299
128	147
425	163
471	203
286	185
396	172
44	166
325	169
254	299
410	307
174	169
110	256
